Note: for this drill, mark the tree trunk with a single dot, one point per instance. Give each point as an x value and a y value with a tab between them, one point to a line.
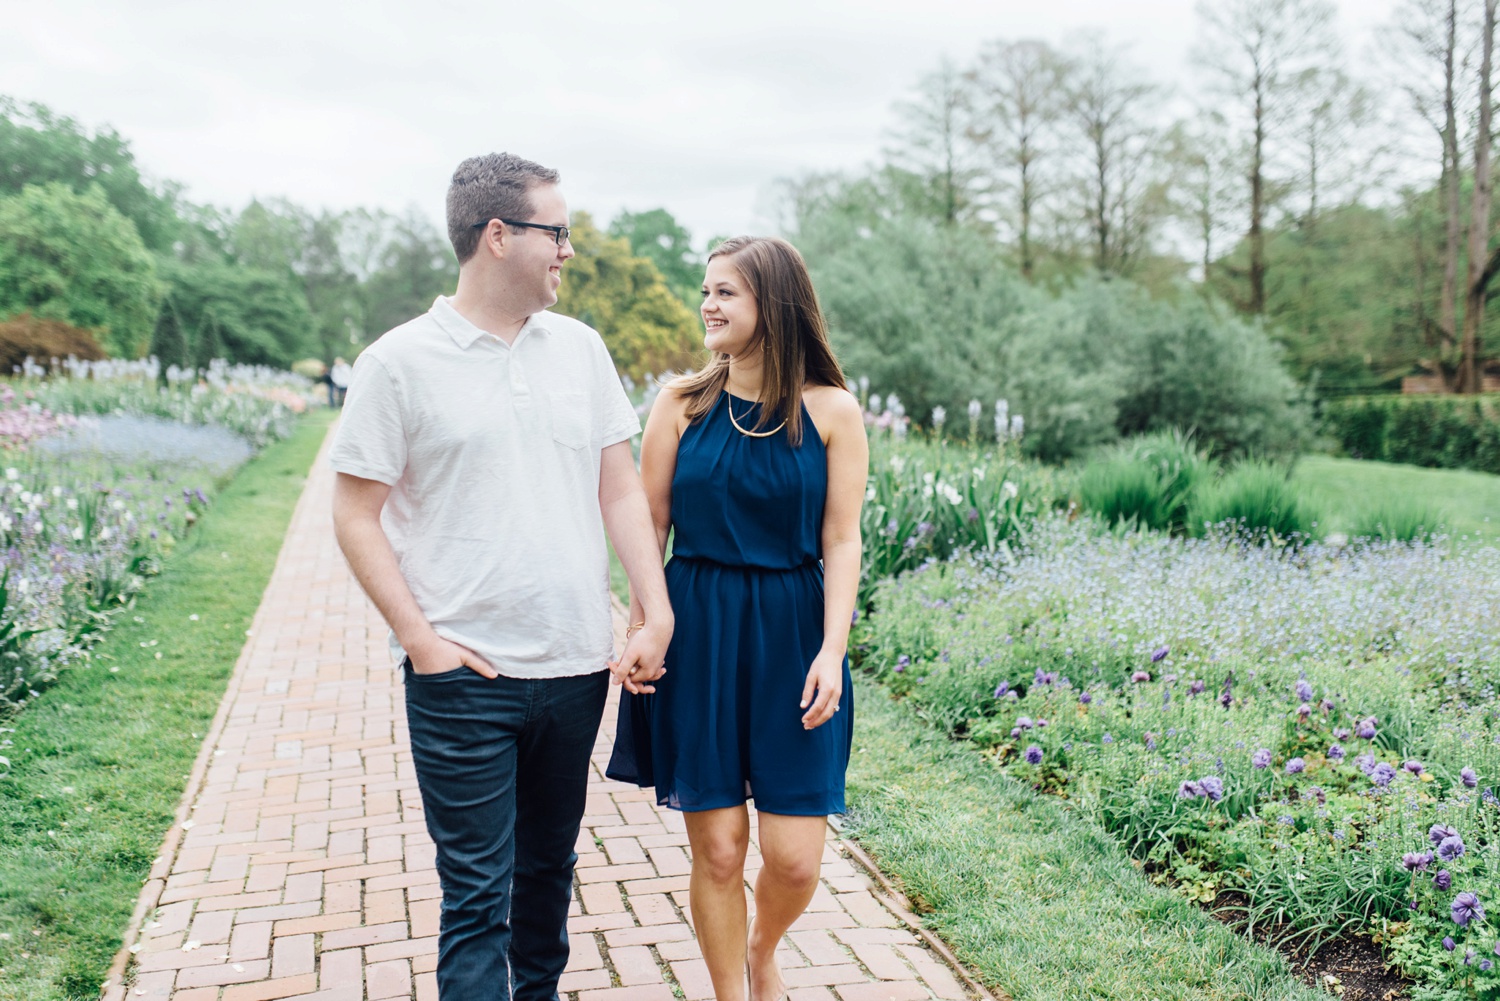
1469	376
1257	203
1448	304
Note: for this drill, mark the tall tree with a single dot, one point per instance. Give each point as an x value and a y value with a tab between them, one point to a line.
934	141
1019	88
668	245
1254	52
1109	102
1483	263
1203	190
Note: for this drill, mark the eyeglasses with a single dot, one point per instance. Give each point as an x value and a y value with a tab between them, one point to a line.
560	233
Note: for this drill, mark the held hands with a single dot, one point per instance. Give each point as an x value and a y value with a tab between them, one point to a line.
641	661
825	678
435	655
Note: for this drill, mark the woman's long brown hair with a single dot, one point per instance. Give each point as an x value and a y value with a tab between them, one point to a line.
793	337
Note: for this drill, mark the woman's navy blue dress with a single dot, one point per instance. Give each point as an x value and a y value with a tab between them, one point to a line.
746	586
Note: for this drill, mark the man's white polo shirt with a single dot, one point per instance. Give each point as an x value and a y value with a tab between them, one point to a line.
492	454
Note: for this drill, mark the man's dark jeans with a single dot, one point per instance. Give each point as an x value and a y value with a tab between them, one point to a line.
503	767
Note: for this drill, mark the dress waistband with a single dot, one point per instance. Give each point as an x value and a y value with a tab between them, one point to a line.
809	564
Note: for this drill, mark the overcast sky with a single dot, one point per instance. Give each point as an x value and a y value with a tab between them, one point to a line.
640	103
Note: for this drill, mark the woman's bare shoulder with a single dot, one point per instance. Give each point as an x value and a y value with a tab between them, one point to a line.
832	408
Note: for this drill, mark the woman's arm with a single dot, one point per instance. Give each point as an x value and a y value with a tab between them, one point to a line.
664	428
837	415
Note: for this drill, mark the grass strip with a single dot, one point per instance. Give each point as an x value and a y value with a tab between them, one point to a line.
99	762
1032	896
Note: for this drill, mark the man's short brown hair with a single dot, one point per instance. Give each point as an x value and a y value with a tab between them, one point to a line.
493	186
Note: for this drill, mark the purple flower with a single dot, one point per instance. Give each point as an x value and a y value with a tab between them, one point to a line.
1033	755
1304	711
1468	957
1295	765
1304	692
1416	861
1196	687
1437	832
1486	965
1335	753
1326	705
1382	774
1448	943
1159	654
1189	789
1140	676
1226	697
1212	786
1365	729
1084	698
1341	733
1261	758
1106	739
1366	763
902	662
1443	880
1041	723
1025	723
1415	767
1001	689
1015	732
1468	777
1451	848
1465	908
1150	741
1045	677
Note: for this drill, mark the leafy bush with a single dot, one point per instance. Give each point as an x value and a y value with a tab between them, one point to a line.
1147	482
42	340
1397	519
1255	496
937	315
926	501
1447	432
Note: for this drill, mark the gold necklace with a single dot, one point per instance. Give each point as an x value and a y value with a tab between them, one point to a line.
729	405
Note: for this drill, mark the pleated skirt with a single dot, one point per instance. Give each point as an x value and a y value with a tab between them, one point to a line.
725	725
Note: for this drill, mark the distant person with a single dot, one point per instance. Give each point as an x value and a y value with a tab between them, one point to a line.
485	451
326	379
756	465
338	378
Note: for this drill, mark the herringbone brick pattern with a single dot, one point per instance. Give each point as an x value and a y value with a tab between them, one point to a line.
300	867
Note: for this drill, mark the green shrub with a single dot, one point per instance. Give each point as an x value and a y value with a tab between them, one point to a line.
1147	482
1256	496
1447	432
1397	519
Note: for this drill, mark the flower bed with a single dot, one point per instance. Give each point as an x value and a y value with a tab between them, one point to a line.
101	473
1305	738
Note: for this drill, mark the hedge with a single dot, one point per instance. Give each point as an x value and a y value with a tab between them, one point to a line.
1446	432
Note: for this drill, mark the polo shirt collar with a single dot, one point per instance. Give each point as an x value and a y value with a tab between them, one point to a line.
464	333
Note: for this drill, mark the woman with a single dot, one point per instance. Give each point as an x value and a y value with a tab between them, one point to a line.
757	465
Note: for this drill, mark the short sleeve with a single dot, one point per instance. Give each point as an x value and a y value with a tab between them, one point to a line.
371	438
618	420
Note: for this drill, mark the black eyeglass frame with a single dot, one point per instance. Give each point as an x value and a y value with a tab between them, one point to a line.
560	233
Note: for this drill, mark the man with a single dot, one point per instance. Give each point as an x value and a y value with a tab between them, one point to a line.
481	447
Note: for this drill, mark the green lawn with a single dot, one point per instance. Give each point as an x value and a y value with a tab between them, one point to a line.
99	762
1469	502
1037	899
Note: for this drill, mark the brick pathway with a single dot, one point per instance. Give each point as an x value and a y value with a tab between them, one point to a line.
299	866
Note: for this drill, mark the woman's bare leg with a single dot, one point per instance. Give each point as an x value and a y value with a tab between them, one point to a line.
791	850
719	839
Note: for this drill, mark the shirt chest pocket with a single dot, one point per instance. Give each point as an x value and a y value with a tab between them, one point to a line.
571	423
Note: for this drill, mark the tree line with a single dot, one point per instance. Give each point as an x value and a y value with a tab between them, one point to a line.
97	259
1355	219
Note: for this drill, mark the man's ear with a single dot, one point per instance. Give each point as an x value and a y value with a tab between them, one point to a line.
493	240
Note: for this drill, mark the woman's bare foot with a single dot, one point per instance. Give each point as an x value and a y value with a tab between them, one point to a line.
765	975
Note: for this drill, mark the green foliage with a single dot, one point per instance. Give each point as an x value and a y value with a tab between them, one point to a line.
28	336
1397	519
1255	496
658	237
1465	503
927	501
38	146
1146	482
645	326
936	315
1448	432
70	256
245	314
